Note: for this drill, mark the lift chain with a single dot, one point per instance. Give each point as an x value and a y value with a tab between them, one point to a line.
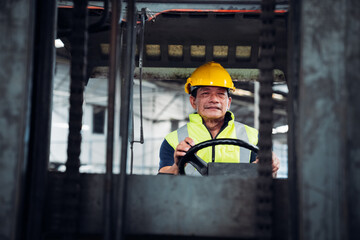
78	79
266	66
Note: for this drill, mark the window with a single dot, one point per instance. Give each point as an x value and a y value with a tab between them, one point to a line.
98	119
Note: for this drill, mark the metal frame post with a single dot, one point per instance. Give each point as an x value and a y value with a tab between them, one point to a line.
327	148
293	114
125	111
113	77
16	58
39	150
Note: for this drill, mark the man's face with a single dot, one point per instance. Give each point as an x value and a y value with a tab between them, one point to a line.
211	102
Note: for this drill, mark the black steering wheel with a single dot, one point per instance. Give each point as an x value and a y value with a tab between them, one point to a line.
201	165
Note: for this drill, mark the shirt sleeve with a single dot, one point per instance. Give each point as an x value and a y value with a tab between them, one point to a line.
166	155
253	157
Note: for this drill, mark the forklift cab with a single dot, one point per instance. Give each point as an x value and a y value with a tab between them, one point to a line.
162	44
118	52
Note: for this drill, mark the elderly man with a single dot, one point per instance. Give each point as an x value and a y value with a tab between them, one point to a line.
209	87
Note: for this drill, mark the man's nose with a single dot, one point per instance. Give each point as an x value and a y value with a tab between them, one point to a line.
214	97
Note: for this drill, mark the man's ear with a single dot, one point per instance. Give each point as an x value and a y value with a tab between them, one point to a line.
229	103
192	102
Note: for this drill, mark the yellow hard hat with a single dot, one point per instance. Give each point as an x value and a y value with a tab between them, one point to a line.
209	74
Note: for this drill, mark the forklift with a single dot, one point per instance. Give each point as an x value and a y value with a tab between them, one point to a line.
134	206
231	201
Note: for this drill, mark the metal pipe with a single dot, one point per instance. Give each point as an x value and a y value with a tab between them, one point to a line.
141	53
108	192
126	92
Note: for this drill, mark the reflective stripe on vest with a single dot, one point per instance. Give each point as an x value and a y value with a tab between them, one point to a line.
241	134
182	133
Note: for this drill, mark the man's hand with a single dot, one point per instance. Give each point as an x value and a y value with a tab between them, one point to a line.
275	164
182	148
180	151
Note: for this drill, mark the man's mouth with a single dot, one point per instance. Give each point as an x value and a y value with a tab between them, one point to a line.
213	107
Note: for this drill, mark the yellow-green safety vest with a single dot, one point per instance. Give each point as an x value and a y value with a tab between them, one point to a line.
197	131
